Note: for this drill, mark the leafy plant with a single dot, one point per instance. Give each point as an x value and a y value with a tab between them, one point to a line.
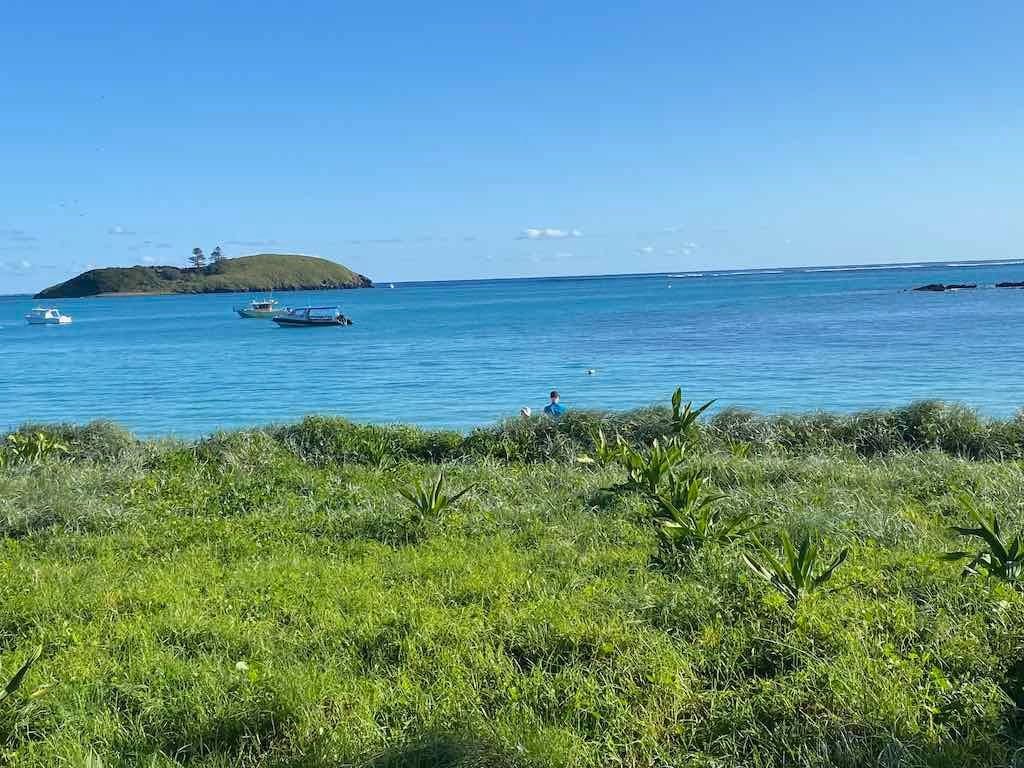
684	415
19	677
34	447
646	471
800	570
380	453
739	450
1001	556
687	518
605	453
430	500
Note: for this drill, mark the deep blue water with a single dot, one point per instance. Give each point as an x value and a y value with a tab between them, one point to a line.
461	354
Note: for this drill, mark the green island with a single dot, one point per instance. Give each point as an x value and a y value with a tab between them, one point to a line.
258	273
633	589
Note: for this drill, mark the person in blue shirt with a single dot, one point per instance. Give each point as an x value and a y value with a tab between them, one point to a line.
554	408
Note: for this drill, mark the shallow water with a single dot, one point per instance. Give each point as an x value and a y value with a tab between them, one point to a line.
465	353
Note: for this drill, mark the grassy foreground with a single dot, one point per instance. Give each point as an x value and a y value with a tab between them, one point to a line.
270	598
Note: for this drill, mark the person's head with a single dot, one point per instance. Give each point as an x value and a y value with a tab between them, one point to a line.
554	395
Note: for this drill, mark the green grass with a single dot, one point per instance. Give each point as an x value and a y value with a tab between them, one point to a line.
270	598
260	272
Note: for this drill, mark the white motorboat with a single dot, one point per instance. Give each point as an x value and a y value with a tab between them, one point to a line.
47	316
259	308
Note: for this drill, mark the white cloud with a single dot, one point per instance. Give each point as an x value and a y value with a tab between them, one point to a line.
647	249
24	264
119	230
149	259
548	233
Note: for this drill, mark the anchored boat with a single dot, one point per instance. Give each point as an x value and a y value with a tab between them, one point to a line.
259	308
311	316
47	316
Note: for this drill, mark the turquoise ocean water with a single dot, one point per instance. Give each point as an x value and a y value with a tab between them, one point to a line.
461	354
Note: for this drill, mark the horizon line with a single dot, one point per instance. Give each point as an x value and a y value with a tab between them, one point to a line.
682	272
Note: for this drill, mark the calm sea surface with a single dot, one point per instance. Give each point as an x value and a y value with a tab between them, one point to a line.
461	354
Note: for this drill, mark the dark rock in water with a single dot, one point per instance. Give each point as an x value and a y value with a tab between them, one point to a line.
939	287
1010	284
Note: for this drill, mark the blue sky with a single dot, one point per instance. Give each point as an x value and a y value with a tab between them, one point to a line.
482	140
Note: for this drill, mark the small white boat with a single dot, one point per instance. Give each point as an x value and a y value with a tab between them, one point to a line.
259	308
47	316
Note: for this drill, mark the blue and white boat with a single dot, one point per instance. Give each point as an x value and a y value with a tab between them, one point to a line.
47	316
311	316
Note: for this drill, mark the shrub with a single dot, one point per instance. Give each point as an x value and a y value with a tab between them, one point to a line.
33	447
95	441
324	441
924	425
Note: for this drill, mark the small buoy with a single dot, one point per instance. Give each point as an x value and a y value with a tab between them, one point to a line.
591	371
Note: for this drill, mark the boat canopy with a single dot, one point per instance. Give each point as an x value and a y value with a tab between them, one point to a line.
314	311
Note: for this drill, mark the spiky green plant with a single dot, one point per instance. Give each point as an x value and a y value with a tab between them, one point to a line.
380	453
688	517
34	447
684	415
739	450
428	501
1002	555
605	452
19	677
647	471
801	569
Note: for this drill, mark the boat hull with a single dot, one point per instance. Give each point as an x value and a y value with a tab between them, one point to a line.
62	320
257	314
291	322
